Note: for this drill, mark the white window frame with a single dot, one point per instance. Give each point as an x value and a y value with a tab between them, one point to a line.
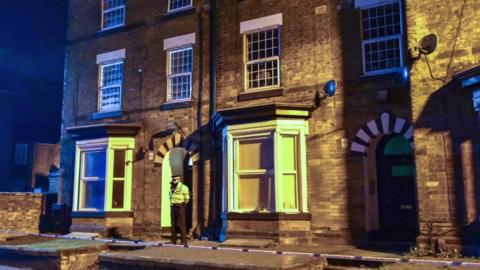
399	37
247	62
101	87
180	8
23	148
169	75
109	145
105	11
276	128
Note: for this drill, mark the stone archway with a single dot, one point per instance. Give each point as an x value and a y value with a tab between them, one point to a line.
367	142
176	140
385	124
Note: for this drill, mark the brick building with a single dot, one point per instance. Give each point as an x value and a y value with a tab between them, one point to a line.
231	95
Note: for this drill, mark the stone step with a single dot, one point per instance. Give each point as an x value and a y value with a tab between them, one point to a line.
248	243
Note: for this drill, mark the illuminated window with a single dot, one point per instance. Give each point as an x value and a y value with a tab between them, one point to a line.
265	167
113	13
103	178
382	41
110	92
174	5
180	63
262	59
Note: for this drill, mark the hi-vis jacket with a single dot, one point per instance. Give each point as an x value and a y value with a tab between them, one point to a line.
181	194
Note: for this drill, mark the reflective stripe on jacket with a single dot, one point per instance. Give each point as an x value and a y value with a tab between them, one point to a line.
181	194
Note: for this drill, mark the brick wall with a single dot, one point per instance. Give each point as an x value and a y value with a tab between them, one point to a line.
446	131
143	92
320	41
21	211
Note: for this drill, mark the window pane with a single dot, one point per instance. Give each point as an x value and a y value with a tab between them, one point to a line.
113	13
93	194
290	191
256	154
108	4
180	87
112	74
119	164
256	192
177	4
95	164
118	194
261	74
383	54
110	98
381	20
262	44
289	156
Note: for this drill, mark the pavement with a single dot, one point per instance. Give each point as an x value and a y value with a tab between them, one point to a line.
211	255
197	258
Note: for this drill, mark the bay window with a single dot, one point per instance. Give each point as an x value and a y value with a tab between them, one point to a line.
265	166
103	175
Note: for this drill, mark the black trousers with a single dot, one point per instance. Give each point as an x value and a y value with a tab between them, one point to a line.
178	220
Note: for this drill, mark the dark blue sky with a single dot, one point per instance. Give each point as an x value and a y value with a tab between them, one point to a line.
32	37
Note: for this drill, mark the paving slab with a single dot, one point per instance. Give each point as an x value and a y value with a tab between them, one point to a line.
196	258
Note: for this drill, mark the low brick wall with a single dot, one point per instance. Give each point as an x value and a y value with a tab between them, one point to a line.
21	211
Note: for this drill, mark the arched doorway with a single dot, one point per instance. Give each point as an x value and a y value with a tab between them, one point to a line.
397	202
177	161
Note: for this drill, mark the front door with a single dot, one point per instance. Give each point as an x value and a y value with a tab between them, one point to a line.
396	189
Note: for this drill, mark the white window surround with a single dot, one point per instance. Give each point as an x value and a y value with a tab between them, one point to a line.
261	23
383	40
111	56
179	41
109	145
279	129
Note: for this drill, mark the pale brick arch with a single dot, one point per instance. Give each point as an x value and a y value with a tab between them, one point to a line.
176	140
386	123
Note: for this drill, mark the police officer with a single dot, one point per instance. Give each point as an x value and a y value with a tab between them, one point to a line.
179	197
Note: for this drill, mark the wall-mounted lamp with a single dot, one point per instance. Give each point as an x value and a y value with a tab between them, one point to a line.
402	76
328	90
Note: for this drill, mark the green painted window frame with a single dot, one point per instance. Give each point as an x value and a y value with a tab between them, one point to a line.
110	145
279	129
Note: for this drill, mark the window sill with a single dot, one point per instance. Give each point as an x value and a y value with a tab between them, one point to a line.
170	15
268	216
380	74
101	214
176	105
103	115
250	95
119	28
